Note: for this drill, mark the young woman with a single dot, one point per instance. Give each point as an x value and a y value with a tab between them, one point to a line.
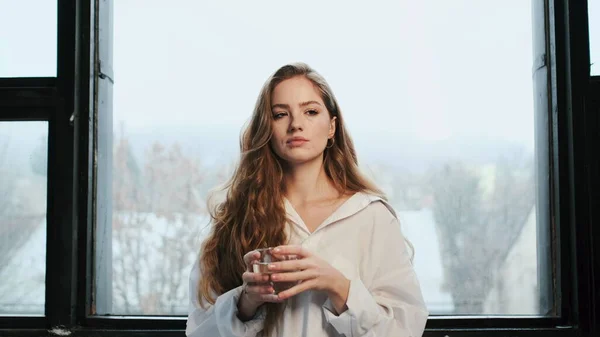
298	188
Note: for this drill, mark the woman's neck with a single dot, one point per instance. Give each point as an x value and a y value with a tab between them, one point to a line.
308	182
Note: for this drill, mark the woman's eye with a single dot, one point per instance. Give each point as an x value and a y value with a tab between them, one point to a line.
312	112
278	115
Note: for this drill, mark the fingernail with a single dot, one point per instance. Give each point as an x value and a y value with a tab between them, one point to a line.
276	249
272	266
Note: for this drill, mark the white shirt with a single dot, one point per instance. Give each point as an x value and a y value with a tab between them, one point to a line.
363	240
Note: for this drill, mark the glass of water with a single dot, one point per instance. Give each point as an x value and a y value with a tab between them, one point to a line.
262	267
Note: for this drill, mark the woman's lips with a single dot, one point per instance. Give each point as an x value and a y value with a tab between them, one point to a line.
297	142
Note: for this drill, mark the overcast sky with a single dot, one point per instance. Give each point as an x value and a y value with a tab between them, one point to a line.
417	73
425	69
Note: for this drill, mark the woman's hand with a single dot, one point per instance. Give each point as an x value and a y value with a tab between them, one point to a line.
313	272
257	288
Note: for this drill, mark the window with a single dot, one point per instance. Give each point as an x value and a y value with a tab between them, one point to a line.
486	108
23	174
36	163
28	38
459	168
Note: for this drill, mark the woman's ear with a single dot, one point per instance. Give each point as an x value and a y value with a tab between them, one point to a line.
332	127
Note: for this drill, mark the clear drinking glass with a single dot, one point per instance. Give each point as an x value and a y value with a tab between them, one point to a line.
262	267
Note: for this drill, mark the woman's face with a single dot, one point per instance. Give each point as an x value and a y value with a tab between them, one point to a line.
301	123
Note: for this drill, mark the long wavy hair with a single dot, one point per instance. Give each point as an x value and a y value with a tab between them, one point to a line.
253	213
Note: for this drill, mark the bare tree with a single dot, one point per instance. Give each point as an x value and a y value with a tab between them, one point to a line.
173	181
129	225
18	220
158	211
20	216
478	226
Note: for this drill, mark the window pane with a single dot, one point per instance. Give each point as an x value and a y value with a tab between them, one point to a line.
446	85
28	38
594	23
23	163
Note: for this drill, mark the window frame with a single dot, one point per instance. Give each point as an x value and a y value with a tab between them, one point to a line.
51	99
71	101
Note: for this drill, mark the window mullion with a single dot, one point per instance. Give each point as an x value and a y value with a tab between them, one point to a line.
61	257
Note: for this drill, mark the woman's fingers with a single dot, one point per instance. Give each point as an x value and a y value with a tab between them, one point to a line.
250	257
293	291
251	277
291	265
297	250
255	289
294	276
271	298
262	293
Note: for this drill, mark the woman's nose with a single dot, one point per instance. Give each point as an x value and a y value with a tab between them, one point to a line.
295	124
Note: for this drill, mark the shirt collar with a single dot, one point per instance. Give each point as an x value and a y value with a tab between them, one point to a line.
353	205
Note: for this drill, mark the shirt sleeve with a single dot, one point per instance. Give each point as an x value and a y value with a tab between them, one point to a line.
220	319
392	304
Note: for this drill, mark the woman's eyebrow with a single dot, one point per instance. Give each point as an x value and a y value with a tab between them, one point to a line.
286	106
309	103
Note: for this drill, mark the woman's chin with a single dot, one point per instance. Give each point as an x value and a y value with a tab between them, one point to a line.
301	159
